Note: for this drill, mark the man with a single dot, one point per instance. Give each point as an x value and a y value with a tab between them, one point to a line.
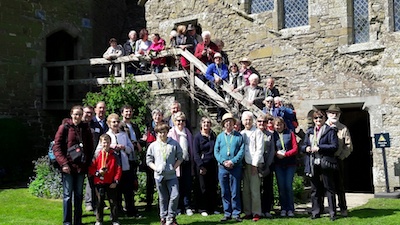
229	152
87	114
269	106
220	44
218	68
270	89
174	108
192	38
284	112
253	93
205	50
134	136
253	158
345	148
98	127
129	49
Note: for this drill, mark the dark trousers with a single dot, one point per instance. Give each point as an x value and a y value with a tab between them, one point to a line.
149	187
101	191
125	188
267	197
185	185
339	184
208	182
322	183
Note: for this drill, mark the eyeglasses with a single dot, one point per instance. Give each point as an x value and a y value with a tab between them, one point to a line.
206	122
261	121
88	112
269	101
180	121
115	121
270	119
318	117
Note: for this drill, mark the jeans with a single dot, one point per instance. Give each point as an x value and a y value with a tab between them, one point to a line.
185	185
229	180
72	183
101	191
168	196
284	178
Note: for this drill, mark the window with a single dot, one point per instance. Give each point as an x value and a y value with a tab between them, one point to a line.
295	13
396	14
361	21
258	6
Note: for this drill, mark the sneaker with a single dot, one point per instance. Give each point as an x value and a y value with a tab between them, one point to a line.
189	212
256	217
267	215
225	218
204	213
283	213
98	223
344	213
115	223
290	213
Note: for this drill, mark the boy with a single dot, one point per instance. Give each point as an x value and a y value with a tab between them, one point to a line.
164	156
107	171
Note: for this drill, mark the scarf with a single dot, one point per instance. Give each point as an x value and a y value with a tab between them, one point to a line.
183	142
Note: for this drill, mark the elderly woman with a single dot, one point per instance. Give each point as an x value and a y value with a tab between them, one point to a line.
141	47
285	165
206	49
73	134
182	135
122	147
206	165
253	158
320	145
149	137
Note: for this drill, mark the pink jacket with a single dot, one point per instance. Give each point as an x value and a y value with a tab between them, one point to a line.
174	135
157	47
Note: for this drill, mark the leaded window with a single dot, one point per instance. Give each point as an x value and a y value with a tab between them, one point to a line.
361	21
396	14
295	13
258	6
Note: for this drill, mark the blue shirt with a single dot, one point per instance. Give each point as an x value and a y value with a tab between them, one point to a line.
221	71
229	147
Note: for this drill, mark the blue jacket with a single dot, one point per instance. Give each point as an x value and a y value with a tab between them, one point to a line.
287	115
221	71
291	147
236	143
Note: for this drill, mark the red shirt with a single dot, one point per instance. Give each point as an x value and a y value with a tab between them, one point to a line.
108	160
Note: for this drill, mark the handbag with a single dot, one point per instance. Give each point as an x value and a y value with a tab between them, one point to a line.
328	162
75	152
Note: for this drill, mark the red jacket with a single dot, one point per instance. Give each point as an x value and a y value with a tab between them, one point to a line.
206	59
114	170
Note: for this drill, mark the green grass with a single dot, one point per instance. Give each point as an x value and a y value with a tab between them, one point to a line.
18	207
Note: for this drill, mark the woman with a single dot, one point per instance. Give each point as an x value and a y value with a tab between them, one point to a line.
149	137
285	165
320	145
182	135
122	147
158	44
141	47
206	166
73	132
266	170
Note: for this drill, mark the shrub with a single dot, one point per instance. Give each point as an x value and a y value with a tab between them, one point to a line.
47	181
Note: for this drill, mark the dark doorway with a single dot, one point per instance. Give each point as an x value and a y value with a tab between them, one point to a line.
358	166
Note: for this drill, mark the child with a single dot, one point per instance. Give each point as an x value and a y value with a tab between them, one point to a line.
107	171
164	156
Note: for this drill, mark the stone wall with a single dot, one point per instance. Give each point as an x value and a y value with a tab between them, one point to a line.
313	65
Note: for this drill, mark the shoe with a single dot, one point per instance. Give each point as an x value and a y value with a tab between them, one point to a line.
290	213
333	218
225	218
256	218
283	213
204	213
313	217
116	223
189	212
238	219
344	213
162	221
267	215
178	212
216	213
247	217
98	223
89	208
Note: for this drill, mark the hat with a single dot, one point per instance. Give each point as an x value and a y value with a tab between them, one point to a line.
268	98
190	27
333	108
227	116
216	55
245	59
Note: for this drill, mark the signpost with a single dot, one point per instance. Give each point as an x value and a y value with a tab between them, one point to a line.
382	140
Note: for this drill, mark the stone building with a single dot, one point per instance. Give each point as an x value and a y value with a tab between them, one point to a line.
320	52
34	32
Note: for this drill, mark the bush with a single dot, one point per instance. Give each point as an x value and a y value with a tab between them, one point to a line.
47	182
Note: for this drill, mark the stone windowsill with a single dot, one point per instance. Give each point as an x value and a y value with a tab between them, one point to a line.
290	32
367	46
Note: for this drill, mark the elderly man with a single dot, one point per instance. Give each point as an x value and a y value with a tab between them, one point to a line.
253	158
269	106
218	68
285	112
270	89
174	108
229	152
344	150
253	93
205	50
192	38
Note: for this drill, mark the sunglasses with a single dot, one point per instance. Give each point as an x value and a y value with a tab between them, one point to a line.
261	121
318	117
180	121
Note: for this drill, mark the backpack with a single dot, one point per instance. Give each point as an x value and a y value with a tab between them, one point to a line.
52	158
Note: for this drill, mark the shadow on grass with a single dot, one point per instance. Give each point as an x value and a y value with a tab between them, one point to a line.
372	213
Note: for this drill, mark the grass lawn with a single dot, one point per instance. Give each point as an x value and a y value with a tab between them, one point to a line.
18	207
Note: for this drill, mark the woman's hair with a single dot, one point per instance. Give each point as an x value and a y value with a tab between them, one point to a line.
178	115
204	119
280	120
105	137
319	113
76	107
143	32
232	64
112	40
181	29
157	111
112	116
246	114
161	127
205	34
